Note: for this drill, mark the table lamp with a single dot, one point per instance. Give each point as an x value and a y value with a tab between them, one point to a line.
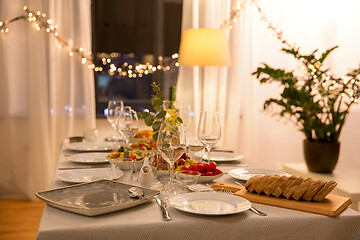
204	47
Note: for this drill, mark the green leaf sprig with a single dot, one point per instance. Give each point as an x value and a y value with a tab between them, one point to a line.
152	119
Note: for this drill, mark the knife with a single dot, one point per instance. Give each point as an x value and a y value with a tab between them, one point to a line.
162	205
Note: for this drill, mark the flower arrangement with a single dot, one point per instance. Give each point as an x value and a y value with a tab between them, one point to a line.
319	102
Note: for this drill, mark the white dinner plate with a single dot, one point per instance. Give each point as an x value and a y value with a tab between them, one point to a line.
224	157
93	157
94	198
210	203
90	146
246	173
88	175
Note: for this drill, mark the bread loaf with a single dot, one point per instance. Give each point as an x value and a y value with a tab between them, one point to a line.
290	187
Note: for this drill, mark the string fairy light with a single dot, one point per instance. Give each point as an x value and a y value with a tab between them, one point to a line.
348	85
41	22
134	70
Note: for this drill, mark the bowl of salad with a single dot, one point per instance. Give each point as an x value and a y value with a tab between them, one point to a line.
144	146
122	155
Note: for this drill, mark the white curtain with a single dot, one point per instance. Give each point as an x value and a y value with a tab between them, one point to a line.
45	94
239	97
224	89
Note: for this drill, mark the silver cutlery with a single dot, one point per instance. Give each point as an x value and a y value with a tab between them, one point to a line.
163	205
254	210
139	193
136	192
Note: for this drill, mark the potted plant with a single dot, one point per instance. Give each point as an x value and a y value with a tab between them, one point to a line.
318	101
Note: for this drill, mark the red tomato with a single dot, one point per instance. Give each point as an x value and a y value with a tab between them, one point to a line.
200	167
207	167
132	157
209	174
217	171
203	174
213	166
192	167
133	145
184	168
143	148
141	144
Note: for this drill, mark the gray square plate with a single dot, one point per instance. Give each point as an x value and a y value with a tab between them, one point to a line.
94	198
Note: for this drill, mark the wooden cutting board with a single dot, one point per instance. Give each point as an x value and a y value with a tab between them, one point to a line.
331	206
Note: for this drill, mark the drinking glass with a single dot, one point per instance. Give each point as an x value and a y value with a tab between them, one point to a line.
171	145
127	123
112	112
185	114
209	130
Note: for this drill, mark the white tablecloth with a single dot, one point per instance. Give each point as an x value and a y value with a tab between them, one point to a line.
145	222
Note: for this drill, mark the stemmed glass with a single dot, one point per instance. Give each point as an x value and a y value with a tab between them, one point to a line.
171	144
127	123
112	112
209	130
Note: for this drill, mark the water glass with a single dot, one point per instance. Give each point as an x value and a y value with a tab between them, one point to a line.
127	123
187	177
209	130
91	134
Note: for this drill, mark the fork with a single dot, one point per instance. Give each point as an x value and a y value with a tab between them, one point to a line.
254	210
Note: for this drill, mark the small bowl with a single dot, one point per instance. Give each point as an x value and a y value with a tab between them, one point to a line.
119	163
204	179
76	139
187	177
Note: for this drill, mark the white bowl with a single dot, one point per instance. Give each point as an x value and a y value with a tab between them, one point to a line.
204	179
122	164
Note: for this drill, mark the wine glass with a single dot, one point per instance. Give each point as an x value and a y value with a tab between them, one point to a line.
185	114
112	112
209	130
127	123
171	144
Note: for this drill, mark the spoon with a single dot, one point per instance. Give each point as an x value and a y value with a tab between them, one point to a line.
136	192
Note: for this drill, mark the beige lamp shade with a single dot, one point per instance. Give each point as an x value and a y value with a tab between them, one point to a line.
204	47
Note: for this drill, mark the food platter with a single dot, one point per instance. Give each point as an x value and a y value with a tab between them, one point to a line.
94	198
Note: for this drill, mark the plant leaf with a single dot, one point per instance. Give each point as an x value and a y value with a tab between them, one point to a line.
179	119
149	120
161	114
155	136
156	126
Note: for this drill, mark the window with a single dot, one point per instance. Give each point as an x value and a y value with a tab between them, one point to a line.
133	45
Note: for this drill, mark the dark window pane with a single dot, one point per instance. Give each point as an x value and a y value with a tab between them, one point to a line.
127	33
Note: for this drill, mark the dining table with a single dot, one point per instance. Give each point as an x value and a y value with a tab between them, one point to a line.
145	221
